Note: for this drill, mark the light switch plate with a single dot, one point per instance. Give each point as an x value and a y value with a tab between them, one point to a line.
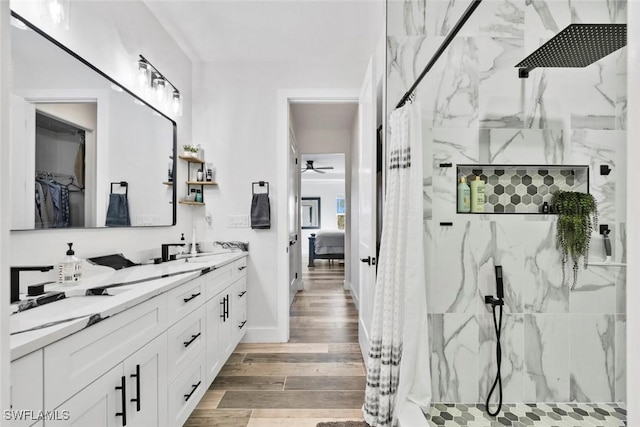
238	221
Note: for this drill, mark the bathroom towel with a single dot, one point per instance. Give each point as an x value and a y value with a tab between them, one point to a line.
260	211
118	211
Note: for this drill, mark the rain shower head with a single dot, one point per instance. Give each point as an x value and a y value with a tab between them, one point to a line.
578	45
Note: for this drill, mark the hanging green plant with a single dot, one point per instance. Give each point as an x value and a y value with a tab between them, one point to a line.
577	218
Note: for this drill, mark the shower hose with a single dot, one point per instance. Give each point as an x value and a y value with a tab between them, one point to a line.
498	381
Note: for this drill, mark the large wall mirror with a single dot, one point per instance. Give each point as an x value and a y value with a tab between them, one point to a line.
84	151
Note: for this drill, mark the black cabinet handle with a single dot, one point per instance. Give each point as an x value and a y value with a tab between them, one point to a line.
244	266
226	309
373	260
223	315
193	390
192	297
193	338
123	388
137	377
241	294
242	325
367	260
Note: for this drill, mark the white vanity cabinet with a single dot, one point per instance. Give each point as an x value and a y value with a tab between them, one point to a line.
133	393
147	366
26	389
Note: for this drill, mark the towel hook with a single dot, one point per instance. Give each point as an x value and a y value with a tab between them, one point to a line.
124	184
260	184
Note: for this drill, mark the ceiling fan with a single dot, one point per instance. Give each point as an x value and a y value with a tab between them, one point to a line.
315	169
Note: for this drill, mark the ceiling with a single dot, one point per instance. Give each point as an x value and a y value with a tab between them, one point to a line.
340	32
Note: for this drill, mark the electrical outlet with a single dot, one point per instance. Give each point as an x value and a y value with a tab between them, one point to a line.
238	221
208	219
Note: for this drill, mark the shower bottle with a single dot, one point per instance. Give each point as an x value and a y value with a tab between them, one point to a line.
477	195
464	196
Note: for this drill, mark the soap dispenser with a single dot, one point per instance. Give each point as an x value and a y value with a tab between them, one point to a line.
70	269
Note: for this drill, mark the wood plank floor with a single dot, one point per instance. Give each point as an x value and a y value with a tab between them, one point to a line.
318	376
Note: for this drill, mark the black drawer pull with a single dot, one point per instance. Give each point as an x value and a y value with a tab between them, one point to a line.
242	268
241	294
192	297
242	325
137	377
193	338
223	303
193	390
123	387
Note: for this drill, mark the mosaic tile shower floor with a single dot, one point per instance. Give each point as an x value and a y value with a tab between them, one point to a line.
530	414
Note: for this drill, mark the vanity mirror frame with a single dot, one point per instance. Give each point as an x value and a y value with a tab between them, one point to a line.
135	97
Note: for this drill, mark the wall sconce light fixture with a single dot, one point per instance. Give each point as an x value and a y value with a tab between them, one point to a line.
150	77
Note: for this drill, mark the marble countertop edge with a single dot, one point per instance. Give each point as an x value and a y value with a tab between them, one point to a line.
24	343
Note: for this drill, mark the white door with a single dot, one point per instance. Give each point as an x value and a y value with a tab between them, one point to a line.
294	217
366	206
146	372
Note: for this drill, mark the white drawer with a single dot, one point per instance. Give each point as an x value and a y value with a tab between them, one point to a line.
186	391
218	279
240	268
72	363
186	340
185	298
27	381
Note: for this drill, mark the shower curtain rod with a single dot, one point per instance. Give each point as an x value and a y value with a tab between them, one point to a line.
454	31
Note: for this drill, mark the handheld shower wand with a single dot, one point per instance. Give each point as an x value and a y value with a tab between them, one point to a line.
496	302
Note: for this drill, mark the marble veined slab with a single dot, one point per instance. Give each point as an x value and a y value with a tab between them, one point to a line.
37	327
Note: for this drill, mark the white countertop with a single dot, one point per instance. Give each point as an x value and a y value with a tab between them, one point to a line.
74	311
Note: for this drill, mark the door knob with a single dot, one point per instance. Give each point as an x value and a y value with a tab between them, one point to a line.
367	260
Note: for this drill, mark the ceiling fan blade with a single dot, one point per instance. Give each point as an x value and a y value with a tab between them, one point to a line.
304	170
316	170
324	167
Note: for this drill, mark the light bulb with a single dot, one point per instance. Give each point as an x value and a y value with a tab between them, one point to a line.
176	103
143	74
56	11
159	85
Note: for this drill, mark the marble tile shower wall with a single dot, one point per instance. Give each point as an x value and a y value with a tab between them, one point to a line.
558	345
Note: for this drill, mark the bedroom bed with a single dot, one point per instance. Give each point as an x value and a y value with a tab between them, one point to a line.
326	245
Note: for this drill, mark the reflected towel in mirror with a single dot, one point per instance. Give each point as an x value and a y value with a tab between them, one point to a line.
118	211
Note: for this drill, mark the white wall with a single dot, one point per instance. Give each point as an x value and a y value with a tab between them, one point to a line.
110	35
4	207
633	210
328	190
235	119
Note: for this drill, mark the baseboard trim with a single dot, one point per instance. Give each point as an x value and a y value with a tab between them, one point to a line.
354	295
262	335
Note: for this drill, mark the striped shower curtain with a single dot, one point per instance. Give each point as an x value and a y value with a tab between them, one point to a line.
398	372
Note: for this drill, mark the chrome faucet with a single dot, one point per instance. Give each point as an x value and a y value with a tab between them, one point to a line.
165	250
15	279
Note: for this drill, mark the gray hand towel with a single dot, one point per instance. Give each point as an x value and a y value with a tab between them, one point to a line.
118	211
260	211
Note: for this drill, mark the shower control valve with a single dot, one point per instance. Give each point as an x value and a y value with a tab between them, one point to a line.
489	299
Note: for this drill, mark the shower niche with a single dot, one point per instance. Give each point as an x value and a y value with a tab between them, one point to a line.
523	189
